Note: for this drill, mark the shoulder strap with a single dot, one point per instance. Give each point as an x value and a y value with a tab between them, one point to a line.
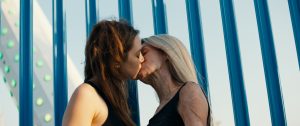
182	86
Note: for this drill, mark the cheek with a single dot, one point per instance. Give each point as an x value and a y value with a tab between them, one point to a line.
149	66
130	69
152	61
133	66
136	65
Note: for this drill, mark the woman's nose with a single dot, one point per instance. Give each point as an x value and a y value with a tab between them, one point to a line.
141	58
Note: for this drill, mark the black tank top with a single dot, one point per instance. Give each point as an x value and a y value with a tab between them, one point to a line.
168	115
113	119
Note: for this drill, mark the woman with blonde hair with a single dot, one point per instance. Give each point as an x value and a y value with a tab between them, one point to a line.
169	69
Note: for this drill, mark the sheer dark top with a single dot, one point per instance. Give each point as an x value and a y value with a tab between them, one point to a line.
168	115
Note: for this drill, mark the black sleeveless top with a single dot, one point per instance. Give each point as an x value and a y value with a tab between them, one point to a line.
168	115
113	118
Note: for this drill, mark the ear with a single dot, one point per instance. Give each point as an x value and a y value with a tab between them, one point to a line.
117	65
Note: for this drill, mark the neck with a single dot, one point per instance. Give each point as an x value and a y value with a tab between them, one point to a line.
163	84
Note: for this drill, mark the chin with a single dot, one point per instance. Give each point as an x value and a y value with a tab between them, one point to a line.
143	79
134	77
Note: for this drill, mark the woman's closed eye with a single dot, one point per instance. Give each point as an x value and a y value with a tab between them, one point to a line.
144	50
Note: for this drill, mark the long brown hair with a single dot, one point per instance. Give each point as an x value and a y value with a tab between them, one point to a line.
107	45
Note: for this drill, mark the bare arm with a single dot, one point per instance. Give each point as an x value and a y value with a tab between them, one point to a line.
83	108
193	106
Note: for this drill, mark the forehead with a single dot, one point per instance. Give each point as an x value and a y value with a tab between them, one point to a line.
148	46
137	40
136	44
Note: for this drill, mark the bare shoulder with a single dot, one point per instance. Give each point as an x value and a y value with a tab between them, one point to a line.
85	107
90	97
85	91
193	106
191	89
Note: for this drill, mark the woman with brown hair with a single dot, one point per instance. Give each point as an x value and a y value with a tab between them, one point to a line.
112	56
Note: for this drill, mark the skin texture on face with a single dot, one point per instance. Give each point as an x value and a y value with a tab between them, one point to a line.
154	58
130	68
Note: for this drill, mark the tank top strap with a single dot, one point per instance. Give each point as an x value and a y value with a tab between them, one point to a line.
182	86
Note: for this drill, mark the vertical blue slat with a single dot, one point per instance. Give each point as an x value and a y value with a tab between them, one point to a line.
125	12
26	67
294	6
59	62
133	101
238	93
270	64
159	17
196	41
91	13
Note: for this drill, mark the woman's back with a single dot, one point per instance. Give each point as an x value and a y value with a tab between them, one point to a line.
112	118
85	107
91	107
